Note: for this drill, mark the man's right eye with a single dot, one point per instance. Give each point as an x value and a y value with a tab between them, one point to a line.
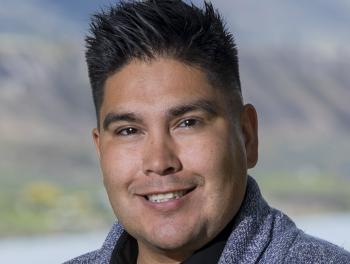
126	131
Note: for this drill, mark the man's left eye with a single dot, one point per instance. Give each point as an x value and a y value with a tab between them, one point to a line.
188	123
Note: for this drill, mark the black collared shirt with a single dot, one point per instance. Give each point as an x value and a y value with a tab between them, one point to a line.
126	250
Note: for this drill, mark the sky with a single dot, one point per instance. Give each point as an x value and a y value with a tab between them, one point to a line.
272	22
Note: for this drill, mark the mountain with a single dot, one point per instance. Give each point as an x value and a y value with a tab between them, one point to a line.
45	100
294	66
294	69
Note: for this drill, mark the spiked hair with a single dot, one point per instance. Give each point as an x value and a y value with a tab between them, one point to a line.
149	29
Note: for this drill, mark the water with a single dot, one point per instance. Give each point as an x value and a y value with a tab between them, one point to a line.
59	248
48	249
334	228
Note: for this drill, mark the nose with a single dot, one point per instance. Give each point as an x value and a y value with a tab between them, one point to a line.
160	156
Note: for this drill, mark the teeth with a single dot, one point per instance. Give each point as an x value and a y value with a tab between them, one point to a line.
164	197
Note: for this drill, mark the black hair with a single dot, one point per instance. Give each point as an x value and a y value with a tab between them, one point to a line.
160	28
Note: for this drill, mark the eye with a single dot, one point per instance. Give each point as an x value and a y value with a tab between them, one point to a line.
127	131
189	123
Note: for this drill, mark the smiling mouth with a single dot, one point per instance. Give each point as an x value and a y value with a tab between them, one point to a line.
165	197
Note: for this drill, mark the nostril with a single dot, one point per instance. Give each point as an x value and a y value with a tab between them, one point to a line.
169	170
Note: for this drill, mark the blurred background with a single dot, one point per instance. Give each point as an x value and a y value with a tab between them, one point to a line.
294	63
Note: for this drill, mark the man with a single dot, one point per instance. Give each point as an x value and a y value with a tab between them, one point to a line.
175	141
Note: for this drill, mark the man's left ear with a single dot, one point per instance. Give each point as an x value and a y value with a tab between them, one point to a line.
249	125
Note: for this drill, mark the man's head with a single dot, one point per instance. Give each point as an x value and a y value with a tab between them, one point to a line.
145	30
174	139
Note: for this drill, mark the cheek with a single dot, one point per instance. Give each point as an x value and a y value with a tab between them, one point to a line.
220	161
119	166
119	170
208	156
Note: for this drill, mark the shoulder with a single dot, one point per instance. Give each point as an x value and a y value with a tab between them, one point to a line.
91	257
102	255
289	244
309	249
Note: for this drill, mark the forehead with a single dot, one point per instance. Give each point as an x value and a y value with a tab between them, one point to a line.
156	83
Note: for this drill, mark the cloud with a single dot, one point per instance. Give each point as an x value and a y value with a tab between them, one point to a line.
275	22
32	17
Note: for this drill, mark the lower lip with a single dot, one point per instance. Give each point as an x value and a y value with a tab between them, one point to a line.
171	205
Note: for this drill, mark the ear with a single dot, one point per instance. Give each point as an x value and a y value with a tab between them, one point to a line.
249	125
96	139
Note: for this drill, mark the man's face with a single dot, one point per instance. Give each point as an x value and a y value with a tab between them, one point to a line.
174	160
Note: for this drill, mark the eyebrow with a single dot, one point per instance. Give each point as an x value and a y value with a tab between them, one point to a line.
199	105
176	111
116	117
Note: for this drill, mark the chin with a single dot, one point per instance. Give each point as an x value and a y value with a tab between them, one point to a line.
175	241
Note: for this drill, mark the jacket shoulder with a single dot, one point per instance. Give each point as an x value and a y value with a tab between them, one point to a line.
102	255
309	249
87	258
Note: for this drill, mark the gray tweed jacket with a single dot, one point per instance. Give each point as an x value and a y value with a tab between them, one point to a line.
261	234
